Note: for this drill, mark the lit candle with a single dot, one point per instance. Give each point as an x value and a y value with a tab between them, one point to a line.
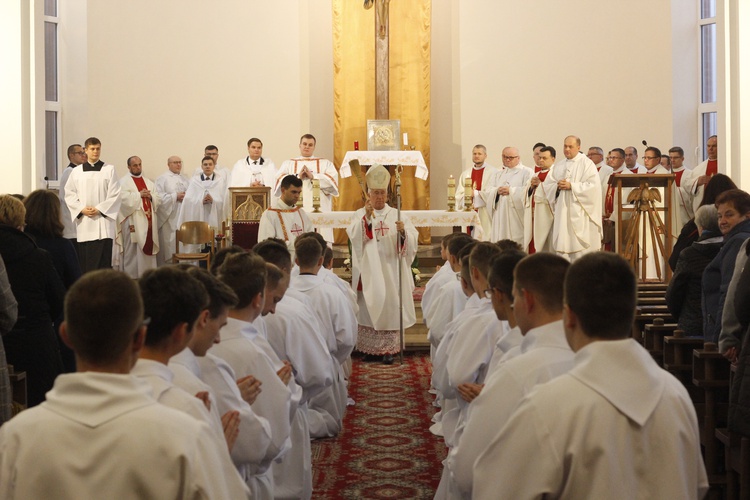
406	139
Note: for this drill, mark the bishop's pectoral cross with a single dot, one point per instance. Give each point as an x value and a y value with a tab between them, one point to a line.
381	56
382	229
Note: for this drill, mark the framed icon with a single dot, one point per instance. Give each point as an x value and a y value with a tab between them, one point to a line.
383	135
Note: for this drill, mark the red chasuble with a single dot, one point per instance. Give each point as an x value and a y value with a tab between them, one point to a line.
712	168
148	247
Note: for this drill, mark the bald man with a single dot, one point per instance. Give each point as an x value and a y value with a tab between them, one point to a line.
171	187
574	191
508	189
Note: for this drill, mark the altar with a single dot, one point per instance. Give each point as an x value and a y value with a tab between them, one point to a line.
420	218
415	190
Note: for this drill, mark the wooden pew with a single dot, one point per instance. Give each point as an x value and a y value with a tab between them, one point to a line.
711	374
653	338
736	457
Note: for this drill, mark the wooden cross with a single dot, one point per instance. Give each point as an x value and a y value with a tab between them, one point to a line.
381	56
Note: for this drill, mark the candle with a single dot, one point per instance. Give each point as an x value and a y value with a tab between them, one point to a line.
356	145
406	139
316	195
451	187
468	192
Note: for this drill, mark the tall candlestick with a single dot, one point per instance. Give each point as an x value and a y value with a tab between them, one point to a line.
468	193
451	193
316	195
406	139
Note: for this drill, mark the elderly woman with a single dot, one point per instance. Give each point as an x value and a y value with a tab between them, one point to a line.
684	290
734	223
31	346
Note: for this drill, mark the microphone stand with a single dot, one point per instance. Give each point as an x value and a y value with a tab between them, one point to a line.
400	169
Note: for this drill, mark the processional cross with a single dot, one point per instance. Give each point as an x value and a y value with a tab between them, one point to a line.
381	56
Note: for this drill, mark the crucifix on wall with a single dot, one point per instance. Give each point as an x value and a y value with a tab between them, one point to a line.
381	56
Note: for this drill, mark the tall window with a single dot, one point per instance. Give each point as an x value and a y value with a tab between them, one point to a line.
51	92
707	121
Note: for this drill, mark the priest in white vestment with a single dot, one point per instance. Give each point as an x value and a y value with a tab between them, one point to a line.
651	252
538	215
254	170
682	201
631	161
137	235
381	244
205	197
76	156
285	220
506	198
597	431
703	172
574	191
611	233
171	187
92	194
213	152
482	174
308	167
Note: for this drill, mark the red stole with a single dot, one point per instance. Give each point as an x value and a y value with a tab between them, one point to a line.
476	177
678	177
712	168
148	246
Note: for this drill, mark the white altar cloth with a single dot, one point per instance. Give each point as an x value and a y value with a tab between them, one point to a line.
420	218
367	158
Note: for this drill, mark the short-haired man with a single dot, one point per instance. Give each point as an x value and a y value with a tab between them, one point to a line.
213	152
481	174
610	235
92	194
598	430
285	220
248	353
253	170
596	155
683	201
536	150
544	355
574	191
171	187
205	197
538	215
76	156
703	172
200	373
173	301
506	195
631	161
308	167
101	430
138	222
337	318
381	243
655	263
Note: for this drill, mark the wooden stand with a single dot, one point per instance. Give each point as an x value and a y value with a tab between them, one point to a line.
248	204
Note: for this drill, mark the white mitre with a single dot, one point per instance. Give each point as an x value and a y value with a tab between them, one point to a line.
378	177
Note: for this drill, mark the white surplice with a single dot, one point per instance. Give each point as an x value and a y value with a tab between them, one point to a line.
481	200
508	344
69	230
284	222
538	217
103	432
432	288
448	304
161	380
249	353
545	354
327	175
599	431
247	171
696	191
682	206
577	229
507	211
254	449
99	189
376	257
193	208
169	185
129	242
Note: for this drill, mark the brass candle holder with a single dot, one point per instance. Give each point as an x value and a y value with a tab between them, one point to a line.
451	194
316	195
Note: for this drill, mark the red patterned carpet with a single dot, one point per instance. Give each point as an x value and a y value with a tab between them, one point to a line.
385	450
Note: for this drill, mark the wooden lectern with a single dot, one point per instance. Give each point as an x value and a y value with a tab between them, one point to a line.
248	204
644	224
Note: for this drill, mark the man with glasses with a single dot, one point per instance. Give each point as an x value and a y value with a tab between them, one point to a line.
213	152
616	160
652	161
631	161
684	208
596	155
76	156
507	206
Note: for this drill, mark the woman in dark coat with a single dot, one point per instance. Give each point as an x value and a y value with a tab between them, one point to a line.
31	346
684	290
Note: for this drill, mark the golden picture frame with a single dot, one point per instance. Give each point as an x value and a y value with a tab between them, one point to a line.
383	135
